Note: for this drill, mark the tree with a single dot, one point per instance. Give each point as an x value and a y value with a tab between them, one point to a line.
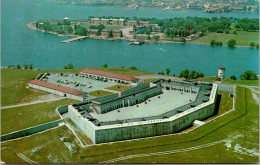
18	66
110	34
31	66
25	66
192	74
185	73
233	77
70	66
37	25
182	39
231	43
227	31
252	44
168	71
249	75
121	34
220	43
234	32
133	68
81	31
162	73
212	42
257	46
98	32
197	74
65	67
202	74
105	66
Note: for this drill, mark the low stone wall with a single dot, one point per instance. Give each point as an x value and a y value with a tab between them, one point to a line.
30	131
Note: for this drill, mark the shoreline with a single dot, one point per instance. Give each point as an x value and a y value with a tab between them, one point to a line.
116	39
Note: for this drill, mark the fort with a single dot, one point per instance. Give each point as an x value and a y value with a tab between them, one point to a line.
144	109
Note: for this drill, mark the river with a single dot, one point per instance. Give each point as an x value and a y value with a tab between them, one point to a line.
21	45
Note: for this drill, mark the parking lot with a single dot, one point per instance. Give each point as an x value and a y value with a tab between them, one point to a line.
77	82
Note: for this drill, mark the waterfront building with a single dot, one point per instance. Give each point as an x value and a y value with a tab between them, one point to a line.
95	21
121	22
104	32
221	73
114	21
104	21
117	33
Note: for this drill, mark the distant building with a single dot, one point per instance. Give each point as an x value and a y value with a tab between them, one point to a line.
114	21
105	32
104	21
92	31
221	72
131	23
121	22
95	21
66	21
117	33
144	23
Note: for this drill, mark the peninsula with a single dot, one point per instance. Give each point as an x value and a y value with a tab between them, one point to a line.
214	31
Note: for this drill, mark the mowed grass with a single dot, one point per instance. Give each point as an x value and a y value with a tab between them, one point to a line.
118	87
242	82
148	79
242	38
14	82
46	147
243	121
125	71
14	119
100	93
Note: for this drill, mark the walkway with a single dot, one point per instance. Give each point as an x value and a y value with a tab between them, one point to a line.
74	39
31	103
164	152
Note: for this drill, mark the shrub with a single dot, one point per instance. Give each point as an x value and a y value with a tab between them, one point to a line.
212	42
231	43
249	75
233	77
252	44
133	67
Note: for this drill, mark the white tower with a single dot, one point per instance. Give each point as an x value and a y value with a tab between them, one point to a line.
221	72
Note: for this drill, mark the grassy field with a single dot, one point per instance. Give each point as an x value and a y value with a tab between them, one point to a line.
124	71
242	82
242	38
100	93
208	79
14	119
119	87
148	79
17	79
240	128
46	147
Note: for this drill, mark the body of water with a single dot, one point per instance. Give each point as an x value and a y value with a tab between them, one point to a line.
21	45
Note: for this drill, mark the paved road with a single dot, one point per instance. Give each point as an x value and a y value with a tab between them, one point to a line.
164	152
35	102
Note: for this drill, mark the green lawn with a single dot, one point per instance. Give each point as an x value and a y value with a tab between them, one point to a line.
46	147
100	93
14	119
148	79
14	82
242	123
208	79
242	38
119	87
242	82
124	71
